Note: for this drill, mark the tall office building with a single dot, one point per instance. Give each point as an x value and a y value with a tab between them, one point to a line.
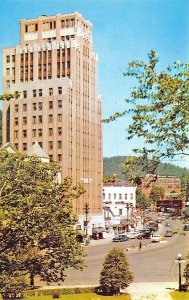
55	70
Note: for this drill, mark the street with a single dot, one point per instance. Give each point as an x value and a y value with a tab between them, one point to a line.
153	264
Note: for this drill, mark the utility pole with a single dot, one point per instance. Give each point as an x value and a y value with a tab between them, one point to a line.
86	211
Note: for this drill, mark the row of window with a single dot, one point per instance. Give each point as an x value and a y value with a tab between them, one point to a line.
39	92
118	196
10	58
38	132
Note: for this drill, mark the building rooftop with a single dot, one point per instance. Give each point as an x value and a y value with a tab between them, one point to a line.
36	150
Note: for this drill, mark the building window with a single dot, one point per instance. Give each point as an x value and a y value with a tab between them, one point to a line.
59	103
40	92
39	132
16	133
59	130
34	132
40	119
50	118
50	104
104	196
120	196
34	106
114	196
59	117
16	121
8	84
24	133
25	94
50	145
59	144
16	146
125	196
60	90
109	196
120	212
50	91
24	107
40	144
24	146
8	58
50	131
131	196
59	157
34	93
24	120
40	105
7	71
34	120
16	107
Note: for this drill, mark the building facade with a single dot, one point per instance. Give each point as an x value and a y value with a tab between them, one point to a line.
119	202
55	70
170	184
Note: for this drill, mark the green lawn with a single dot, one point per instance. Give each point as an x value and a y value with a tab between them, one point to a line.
180	295
82	297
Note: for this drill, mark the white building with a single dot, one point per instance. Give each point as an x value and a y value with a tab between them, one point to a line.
119	202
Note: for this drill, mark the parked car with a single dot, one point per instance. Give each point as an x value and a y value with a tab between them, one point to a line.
120	238
155	238
168	233
144	235
132	235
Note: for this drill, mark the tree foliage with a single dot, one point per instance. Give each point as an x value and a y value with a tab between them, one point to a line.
115	274
142	200
158	106
35	219
157	193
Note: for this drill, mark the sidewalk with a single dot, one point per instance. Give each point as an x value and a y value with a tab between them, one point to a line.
155	290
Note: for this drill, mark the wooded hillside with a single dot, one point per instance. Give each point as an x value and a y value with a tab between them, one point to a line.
112	166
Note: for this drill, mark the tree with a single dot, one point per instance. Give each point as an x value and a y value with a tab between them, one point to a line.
115	274
36	219
142	200
158	106
157	193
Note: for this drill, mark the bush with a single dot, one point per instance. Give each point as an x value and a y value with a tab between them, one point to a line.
60	291
56	296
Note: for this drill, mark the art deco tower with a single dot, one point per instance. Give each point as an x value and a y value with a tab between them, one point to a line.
55	69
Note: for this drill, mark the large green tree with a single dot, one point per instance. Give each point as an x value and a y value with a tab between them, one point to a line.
142	200
158	106
35	219
115	274
157	193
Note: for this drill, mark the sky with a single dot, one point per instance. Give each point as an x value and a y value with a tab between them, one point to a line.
123	30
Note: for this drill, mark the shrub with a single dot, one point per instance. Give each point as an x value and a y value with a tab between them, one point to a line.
115	274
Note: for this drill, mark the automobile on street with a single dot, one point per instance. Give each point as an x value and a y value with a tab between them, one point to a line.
120	238
155	238
168	233
132	234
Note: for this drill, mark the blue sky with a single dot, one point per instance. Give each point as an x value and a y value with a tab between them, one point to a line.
123	30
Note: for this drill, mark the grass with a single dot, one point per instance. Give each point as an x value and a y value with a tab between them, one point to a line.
82	297
180	295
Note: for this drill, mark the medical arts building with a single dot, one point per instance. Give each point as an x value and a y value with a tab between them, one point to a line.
55	70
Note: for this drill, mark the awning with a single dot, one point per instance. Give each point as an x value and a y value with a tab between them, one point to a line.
98	230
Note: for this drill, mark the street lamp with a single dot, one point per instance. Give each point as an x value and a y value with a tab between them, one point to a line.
180	260
86	211
128	205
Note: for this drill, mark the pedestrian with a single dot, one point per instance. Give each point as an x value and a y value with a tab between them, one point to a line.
140	246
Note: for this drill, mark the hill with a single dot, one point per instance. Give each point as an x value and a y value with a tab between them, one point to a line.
111	166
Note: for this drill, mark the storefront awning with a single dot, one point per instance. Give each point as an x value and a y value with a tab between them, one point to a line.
98	230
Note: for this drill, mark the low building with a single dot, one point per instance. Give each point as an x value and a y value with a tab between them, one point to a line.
170	184
119	204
